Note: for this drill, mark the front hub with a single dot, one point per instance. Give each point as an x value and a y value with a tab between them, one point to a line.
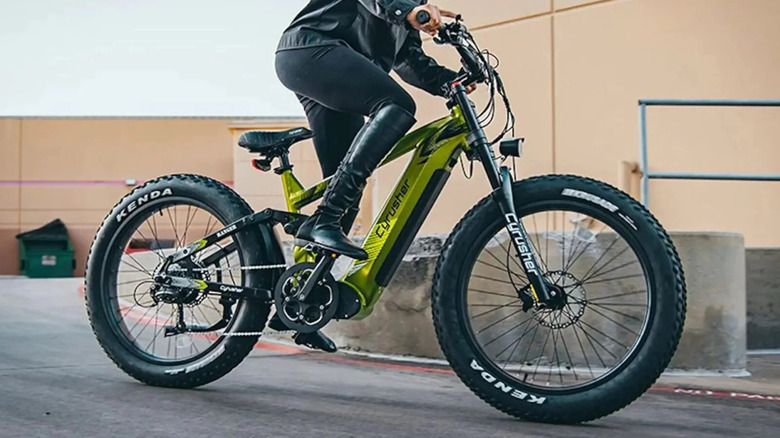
567	300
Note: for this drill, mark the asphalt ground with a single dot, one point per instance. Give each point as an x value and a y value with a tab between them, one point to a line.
56	381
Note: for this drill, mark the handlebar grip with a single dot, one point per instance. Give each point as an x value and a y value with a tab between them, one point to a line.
423	17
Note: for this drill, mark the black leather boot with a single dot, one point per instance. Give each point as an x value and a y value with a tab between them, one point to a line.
349	218
371	145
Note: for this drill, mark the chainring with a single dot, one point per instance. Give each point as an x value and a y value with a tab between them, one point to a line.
319	307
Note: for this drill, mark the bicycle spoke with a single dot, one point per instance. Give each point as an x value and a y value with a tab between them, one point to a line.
590	340
603	253
140	319
493	305
624	294
528	350
604	306
516	343
599	337
623	277
175	232
543	263
497	308
617	323
499	261
584	249
491	279
571	361
538	360
599	274
492	293
506	332
187	223
136	268
149	240
500	320
158	331
584	353
606	336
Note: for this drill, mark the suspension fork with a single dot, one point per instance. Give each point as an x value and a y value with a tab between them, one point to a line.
501	183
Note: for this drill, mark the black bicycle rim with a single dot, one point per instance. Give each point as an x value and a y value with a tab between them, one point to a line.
113	263
586	343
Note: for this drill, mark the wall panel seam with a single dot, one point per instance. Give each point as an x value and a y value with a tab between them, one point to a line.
19	163
548	13
552	93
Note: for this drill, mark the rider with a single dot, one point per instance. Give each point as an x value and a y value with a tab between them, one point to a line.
336	56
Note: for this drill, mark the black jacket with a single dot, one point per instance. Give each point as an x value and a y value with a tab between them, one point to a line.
377	29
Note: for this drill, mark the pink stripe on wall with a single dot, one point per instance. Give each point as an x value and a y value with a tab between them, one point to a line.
74	183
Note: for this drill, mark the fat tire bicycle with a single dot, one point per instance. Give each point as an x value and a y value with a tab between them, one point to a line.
564	324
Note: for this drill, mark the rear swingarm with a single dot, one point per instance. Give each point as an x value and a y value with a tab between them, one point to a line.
183	257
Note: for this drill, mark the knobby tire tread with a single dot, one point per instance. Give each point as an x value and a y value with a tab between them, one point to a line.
228	360
640	384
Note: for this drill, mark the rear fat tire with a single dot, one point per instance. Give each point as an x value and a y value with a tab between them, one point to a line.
661	336
249	315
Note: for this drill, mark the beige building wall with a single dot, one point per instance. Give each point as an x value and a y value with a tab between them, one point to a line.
73	169
574	70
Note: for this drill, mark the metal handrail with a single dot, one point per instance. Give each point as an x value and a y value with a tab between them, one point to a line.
644	167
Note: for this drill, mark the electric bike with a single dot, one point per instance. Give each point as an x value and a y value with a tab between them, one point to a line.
555	299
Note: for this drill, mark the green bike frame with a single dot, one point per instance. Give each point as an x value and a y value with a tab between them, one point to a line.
437	147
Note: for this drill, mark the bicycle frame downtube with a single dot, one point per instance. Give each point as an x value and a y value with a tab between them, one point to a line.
501	182
437	147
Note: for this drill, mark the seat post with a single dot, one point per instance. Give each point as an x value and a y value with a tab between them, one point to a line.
284	157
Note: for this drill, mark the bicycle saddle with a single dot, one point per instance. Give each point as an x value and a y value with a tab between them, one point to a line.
264	142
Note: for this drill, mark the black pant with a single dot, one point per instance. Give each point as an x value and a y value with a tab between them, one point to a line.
337	88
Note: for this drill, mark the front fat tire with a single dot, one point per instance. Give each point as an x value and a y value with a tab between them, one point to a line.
250	315
528	402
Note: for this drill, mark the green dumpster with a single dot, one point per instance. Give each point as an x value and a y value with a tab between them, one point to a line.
46	252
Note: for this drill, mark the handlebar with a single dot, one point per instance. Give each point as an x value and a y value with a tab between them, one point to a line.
452	33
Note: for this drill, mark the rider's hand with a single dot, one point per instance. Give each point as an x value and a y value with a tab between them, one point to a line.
470	89
433	25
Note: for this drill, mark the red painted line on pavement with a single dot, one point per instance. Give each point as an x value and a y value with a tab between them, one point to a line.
717	394
386	365
421	369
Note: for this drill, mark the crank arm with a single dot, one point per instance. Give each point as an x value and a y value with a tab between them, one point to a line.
221	289
323	265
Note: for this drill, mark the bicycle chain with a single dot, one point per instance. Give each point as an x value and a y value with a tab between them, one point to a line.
242	268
